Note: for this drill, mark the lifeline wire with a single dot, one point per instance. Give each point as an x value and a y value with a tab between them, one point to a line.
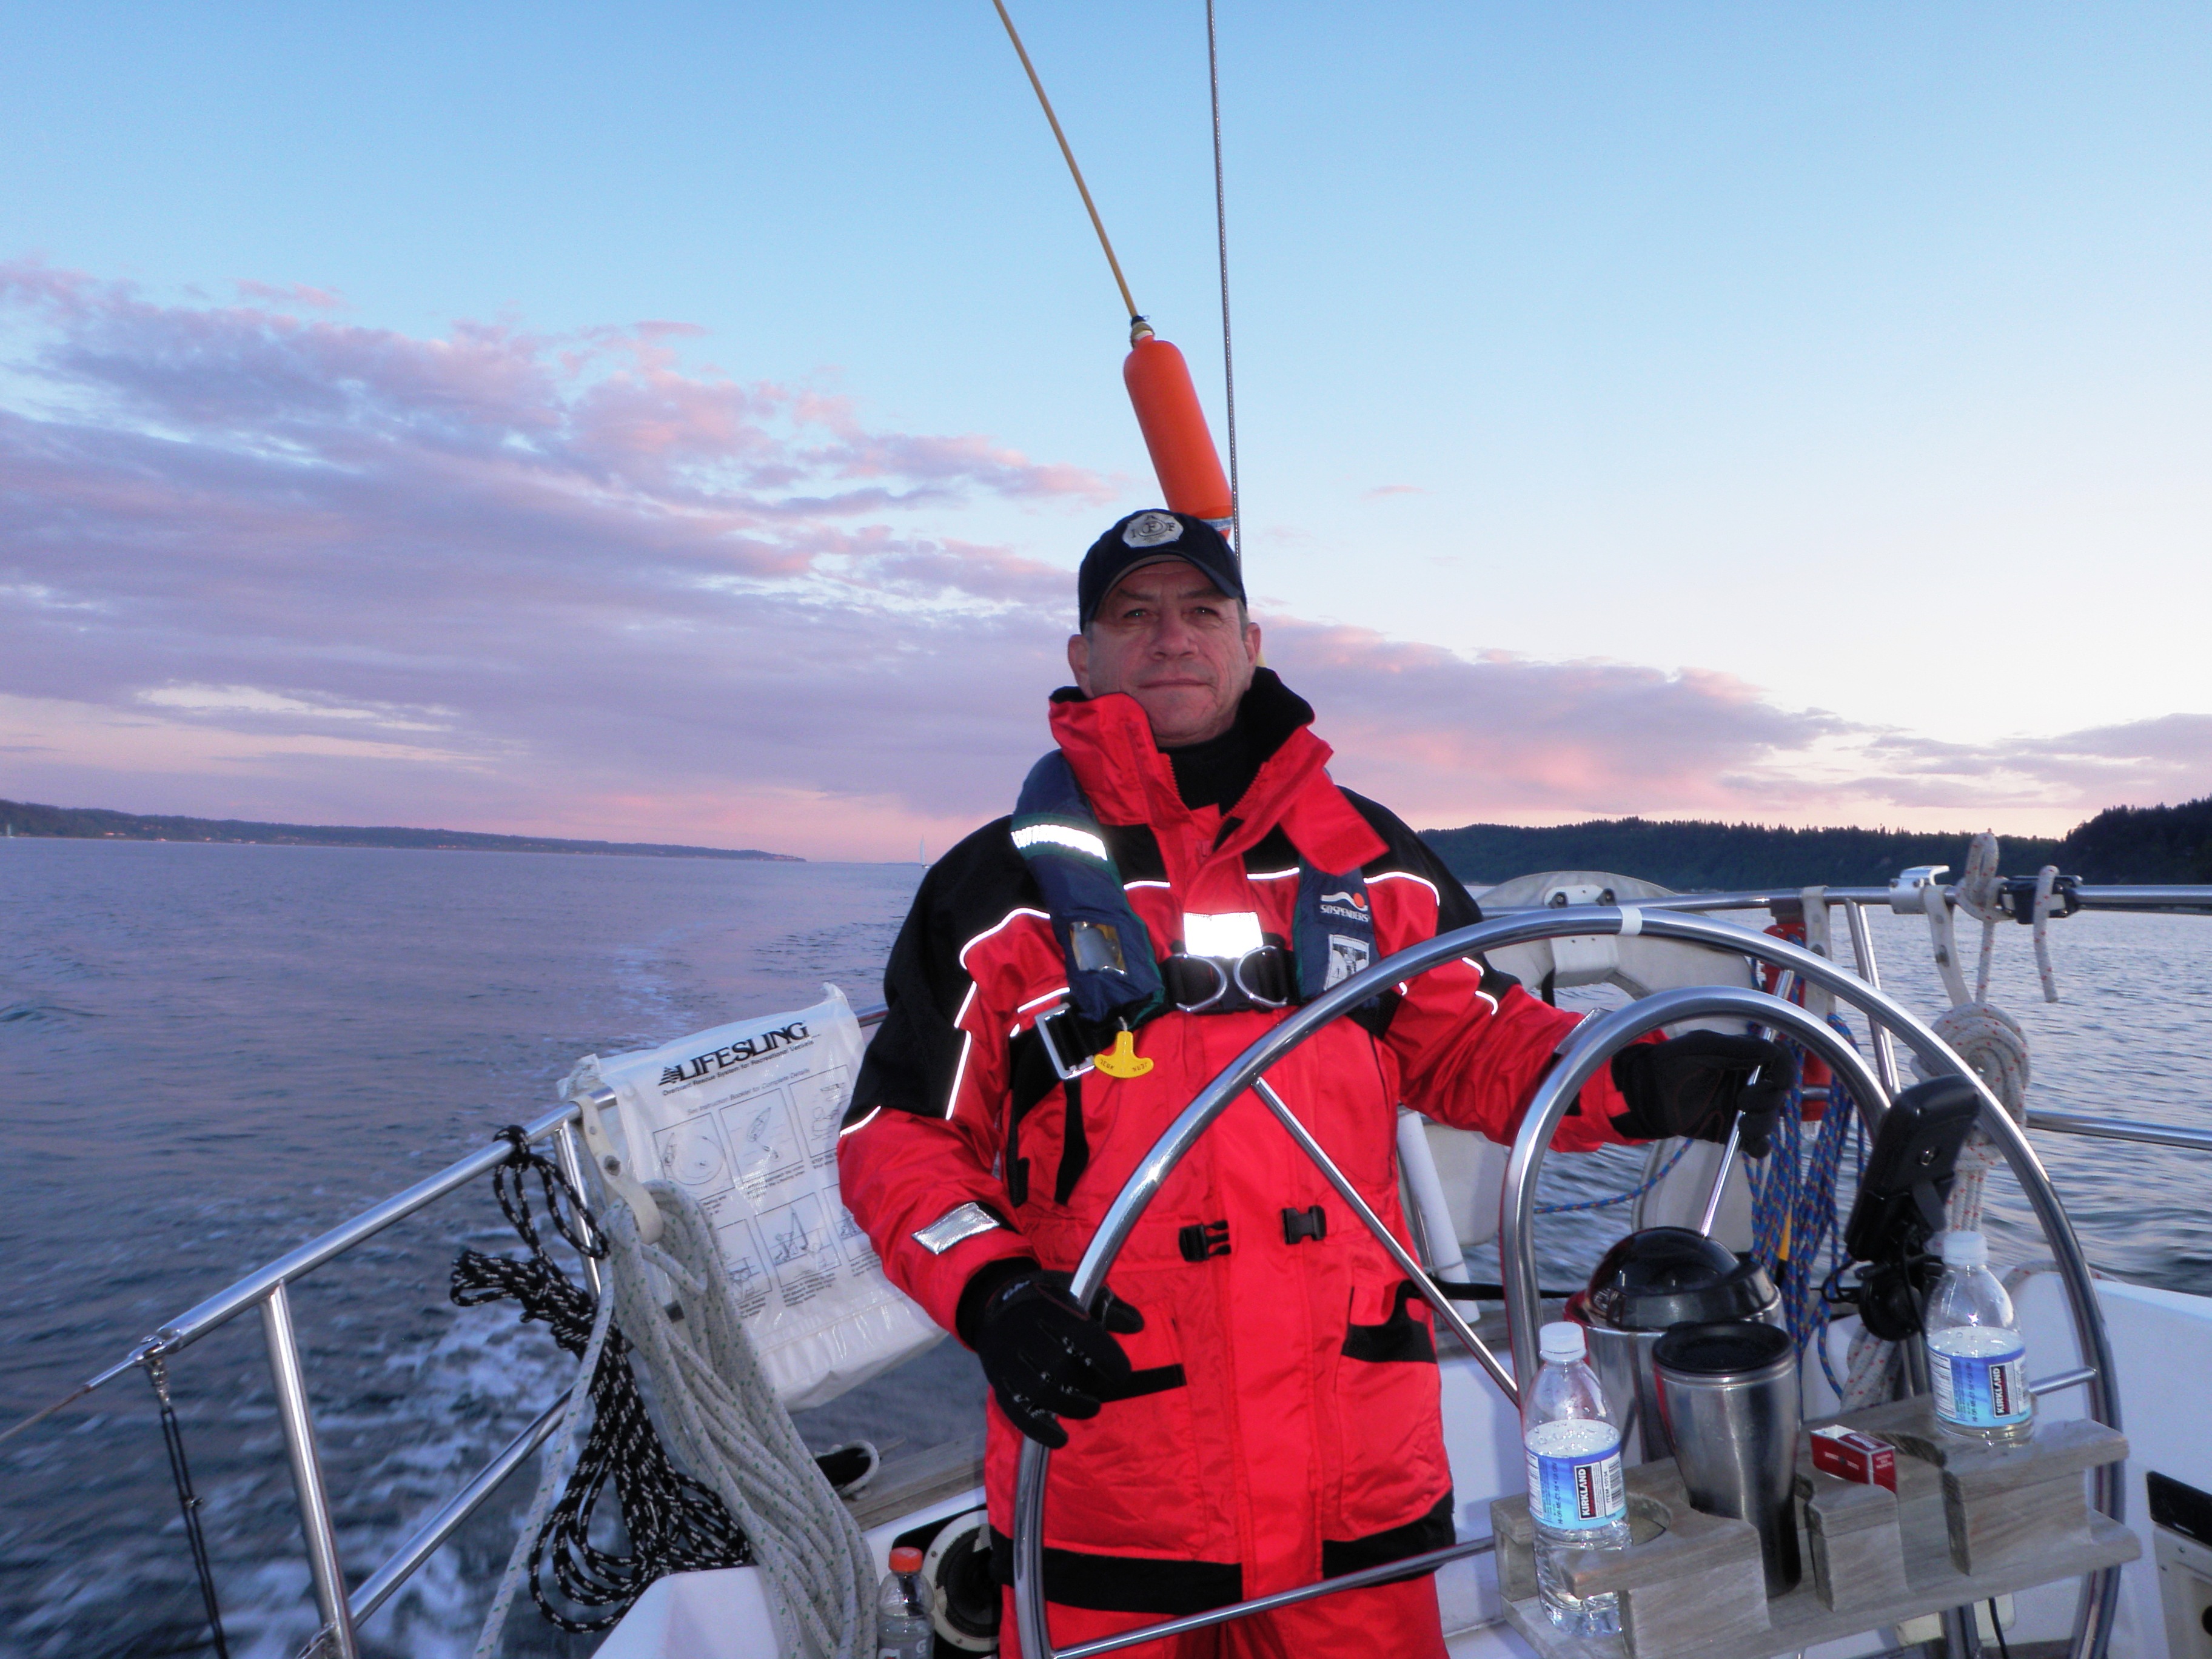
1221	229
1090	207
172	1436
40	1416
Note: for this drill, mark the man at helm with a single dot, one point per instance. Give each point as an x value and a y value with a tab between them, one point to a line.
1254	1405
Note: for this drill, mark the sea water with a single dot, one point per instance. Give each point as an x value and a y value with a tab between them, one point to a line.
214	1052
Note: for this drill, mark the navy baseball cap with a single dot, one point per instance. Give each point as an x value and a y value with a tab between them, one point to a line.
1153	537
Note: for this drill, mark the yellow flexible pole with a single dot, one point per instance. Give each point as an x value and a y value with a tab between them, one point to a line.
1090	207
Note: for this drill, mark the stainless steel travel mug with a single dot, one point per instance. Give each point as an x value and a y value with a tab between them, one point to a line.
1728	1393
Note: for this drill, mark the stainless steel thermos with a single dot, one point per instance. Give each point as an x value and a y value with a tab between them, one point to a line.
1728	1394
1649	1282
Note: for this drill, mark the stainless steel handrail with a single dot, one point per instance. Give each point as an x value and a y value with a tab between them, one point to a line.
1885	1046
423	1543
235	1298
2170	897
2099	1599
323	1567
2117	1128
2144	898
228	1303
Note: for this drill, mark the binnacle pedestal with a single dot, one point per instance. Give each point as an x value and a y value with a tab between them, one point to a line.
1965	1523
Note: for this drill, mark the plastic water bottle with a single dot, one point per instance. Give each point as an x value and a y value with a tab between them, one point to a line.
1577	1496
902	1627
1977	1364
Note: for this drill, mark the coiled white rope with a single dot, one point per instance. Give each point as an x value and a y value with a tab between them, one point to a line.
721	1421
2047	879
720	1418
1977	893
1977	896
1991	1041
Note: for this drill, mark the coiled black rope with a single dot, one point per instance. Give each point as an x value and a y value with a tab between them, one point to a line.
672	1523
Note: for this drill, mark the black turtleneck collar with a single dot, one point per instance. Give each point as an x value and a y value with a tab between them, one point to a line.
1217	772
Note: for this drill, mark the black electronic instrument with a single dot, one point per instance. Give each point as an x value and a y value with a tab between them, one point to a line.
1902	1193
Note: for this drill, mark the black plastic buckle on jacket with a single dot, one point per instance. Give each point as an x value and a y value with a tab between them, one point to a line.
1298	1225
1267	978
1060	1067
1203	1240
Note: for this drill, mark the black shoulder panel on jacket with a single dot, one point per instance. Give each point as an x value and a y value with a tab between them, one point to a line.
1408	853
1136	850
908	1067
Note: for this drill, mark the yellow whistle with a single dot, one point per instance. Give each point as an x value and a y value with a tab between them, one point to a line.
1123	1059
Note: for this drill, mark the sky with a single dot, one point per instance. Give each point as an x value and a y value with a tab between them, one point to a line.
682	423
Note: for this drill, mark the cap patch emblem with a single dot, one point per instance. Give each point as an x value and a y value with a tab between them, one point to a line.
1150	529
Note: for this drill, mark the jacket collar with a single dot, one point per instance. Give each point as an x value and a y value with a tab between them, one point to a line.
1108	743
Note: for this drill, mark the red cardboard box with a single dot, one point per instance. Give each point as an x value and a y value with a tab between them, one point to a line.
1850	1455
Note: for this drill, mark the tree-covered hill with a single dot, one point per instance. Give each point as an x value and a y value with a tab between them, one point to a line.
2121	844
98	823
2143	844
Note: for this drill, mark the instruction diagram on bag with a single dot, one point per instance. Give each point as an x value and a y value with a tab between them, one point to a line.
746	1120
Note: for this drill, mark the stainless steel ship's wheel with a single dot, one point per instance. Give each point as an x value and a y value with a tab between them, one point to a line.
1591	1047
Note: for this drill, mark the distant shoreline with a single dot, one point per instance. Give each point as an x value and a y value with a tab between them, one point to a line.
2121	844
29	820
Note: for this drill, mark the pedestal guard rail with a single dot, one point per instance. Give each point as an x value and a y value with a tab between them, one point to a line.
1590	1048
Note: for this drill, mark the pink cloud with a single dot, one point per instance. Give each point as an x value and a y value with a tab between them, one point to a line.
293	293
256	561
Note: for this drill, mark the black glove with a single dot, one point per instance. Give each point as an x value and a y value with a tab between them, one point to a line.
1045	1357
1699	1084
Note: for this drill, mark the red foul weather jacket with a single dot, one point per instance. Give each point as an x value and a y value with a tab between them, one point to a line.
1281	1423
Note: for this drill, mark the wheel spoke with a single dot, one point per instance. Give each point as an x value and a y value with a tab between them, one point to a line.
1413	1269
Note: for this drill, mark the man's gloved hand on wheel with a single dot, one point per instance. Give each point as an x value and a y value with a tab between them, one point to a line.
1045	1357
1697	1085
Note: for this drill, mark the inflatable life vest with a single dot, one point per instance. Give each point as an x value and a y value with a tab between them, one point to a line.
1115	984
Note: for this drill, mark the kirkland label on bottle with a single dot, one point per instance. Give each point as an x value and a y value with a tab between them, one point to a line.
1980	1377
1574	1474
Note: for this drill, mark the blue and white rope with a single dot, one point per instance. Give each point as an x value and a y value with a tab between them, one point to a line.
1795	1204
1635	1192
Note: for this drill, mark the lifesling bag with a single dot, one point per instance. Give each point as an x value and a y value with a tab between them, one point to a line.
1115	984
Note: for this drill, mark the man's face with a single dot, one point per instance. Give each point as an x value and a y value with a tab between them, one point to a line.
1171	639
